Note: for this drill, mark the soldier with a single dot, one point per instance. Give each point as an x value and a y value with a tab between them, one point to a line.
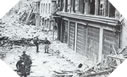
36	42
21	67
28	63
46	42
24	65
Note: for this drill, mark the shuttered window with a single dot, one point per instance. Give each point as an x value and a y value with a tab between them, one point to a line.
81	39
110	39
65	31
93	43
81	6
72	35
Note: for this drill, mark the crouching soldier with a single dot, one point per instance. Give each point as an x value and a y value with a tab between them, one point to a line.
28	64
20	65
24	65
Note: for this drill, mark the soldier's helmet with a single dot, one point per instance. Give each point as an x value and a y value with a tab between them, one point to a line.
24	52
45	38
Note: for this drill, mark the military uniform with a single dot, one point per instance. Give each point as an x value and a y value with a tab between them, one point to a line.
24	65
46	42
36	42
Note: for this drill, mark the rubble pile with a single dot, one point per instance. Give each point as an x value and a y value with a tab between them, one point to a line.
98	71
107	66
13	27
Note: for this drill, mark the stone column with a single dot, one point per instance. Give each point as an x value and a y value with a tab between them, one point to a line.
87	7
72	6
105	7
64	4
47	10
44	10
81	6
108	8
37	19
77	6
69	6
97	2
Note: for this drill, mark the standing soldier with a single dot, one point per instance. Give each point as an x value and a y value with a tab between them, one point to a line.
46	42
36	42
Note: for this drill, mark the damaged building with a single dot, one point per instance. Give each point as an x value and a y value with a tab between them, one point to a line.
44	10
87	37
89	27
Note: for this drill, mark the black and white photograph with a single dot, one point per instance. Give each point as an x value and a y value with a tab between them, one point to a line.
63	38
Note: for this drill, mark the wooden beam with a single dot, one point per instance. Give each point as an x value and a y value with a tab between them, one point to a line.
68	32
100	44
61	32
99	73
76	35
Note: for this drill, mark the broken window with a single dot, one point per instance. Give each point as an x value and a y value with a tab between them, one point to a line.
111	10
32	16
92	7
53	6
81	6
66	5
49	8
61	4
73	6
101	10
69	6
44	9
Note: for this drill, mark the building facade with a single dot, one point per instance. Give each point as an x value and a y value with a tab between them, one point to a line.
89	27
43	10
47	8
35	12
